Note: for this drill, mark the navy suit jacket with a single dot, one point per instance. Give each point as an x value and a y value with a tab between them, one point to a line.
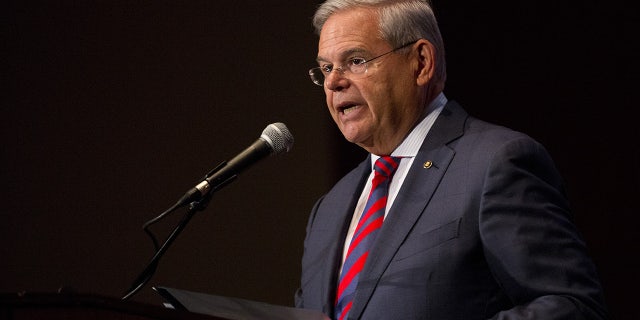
484	232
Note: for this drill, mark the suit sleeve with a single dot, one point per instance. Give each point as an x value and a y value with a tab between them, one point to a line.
534	249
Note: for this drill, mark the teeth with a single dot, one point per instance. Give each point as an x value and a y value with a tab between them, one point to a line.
348	109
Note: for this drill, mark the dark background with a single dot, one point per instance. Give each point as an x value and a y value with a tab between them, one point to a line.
111	110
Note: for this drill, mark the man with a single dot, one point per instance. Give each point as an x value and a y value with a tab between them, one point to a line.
476	224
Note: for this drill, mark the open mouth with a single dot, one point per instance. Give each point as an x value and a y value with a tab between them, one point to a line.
346	109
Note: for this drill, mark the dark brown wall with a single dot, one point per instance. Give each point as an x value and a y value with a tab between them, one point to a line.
113	109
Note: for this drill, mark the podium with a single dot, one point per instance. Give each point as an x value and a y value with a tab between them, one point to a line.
186	305
54	306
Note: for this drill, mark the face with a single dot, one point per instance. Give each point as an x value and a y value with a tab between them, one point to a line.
377	109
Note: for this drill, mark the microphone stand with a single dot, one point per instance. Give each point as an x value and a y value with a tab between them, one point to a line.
148	272
194	207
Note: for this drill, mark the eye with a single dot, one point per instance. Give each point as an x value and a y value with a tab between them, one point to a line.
357	61
326	68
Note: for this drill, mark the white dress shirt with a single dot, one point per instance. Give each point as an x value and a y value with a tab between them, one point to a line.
408	150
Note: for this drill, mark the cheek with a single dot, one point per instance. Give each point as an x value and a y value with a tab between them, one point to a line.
380	102
329	102
328	94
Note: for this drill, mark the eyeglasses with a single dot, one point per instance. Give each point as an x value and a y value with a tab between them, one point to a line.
353	65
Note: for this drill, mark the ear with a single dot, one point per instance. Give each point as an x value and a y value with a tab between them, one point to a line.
426	61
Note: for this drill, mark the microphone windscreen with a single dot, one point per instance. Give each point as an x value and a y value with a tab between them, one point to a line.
278	137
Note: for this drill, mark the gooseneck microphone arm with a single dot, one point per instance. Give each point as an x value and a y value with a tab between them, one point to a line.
275	139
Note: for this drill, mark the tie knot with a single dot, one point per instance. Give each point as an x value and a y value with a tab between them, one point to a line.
386	165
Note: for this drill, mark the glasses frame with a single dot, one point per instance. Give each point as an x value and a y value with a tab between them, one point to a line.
315	72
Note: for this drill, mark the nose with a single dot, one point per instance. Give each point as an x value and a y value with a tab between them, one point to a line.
335	80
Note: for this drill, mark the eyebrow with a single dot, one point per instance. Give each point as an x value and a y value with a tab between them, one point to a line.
343	54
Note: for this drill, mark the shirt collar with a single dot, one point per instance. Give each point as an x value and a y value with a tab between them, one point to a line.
411	144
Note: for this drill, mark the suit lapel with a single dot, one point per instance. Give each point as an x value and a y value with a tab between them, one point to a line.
414	195
343	205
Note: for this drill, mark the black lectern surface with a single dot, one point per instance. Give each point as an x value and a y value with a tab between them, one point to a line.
233	308
72	306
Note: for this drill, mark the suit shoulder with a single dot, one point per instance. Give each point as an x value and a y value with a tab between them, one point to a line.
487	134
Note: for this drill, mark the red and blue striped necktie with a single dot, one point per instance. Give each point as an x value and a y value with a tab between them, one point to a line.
365	233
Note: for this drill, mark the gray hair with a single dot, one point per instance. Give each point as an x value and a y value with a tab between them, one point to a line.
400	22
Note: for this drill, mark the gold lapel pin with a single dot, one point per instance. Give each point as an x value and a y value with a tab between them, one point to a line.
427	164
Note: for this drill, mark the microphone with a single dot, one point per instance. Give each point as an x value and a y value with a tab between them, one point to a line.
275	139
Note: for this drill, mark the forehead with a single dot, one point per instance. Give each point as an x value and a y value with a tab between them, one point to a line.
349	30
